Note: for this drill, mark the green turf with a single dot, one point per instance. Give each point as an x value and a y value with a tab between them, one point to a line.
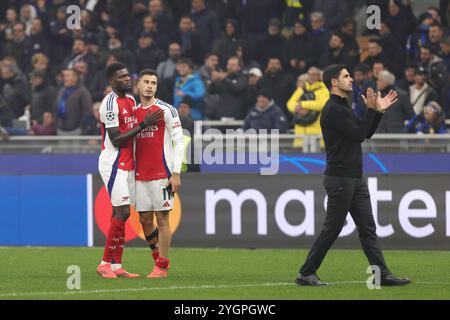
40	273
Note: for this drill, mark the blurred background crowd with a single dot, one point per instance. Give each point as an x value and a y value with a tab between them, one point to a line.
259	61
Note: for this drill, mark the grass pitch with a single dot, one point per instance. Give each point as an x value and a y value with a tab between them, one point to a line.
40	273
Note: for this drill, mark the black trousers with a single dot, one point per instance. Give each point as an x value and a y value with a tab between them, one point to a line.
346	195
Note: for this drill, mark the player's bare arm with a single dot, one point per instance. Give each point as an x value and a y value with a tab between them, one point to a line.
120	139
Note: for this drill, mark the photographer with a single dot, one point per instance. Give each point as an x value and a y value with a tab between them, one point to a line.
306	103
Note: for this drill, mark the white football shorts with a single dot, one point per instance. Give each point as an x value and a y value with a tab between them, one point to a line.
153	195
120	185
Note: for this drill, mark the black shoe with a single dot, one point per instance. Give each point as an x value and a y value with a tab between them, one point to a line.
391	280
311	280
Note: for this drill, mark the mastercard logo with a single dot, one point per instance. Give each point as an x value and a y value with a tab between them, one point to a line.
133	229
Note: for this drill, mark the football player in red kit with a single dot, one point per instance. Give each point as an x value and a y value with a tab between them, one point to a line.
159	154
116	163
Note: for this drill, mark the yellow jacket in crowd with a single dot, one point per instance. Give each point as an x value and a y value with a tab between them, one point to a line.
321	96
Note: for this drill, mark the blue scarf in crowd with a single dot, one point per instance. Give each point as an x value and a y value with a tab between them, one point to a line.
61	112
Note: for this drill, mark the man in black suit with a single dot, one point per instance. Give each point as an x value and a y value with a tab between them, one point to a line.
346	187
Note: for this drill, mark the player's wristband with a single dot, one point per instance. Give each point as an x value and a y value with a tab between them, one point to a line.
142	125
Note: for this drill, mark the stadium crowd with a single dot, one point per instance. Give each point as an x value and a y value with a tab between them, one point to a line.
256	60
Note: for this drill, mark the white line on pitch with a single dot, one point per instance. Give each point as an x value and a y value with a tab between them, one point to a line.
250	285
21	294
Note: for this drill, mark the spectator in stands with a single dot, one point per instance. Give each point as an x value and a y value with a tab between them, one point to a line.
320	38
73	103
6	25
189	83
27	14
226	45
420	93
100	85
431	120
393	120
39	62
255	16
115	46
46	128
306	103
376	54
230	87
36	43
401	20
378	66
207	23
348	31
393	51
273	43
16	47
266	114
6	113
92	125
253	86
444	97
435	14
80	52
226	9
278	82
15	91
242	52
83	71
210	66
191	44
298	49
362	80
334	11
420	37
436	35
89	23
43	96
167	72
163	19
93	48
444	51
160	39
185	113
60	37
336	54
427	58
148	55
408	77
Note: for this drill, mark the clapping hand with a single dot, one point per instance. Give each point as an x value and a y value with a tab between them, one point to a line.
371	98
387	101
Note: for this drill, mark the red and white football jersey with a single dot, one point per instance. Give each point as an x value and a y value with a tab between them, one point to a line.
117	112
159	148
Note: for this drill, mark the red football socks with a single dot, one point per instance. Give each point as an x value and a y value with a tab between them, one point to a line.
162	263
114	241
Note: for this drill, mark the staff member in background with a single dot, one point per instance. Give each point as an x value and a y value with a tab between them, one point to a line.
346	187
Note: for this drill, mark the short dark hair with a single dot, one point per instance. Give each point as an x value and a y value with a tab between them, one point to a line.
375	40
332	72
364	68
426	46
212	53
436	24
379	61
113	68
186	61
339	35
148	72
